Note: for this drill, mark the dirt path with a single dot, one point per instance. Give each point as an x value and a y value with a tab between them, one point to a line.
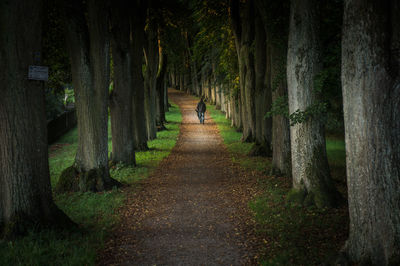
193	209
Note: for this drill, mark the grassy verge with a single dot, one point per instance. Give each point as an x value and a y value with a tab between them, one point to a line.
238	149
94	212
292	235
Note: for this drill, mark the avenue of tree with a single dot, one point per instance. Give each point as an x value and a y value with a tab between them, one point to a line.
281	72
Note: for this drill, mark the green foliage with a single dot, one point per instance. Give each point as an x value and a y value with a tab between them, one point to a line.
69	96
316	110
202	37
279	107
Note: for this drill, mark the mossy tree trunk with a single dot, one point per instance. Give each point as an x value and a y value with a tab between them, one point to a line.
312	181
138	19
121	97
87	40
371	103
25	192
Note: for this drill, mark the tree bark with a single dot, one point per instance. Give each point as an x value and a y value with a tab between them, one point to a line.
137	23
151	55
122	94
161	88
281	152
275	18
263	97
312	183
88	46
236	112
371	103
243	28
25	191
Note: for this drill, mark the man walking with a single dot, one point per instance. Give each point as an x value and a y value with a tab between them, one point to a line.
201	109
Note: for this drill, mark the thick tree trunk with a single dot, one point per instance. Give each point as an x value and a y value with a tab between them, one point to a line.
312	183
138	41
151	54
88	45
275	18
263	97
25	191
371	103
122	95
281	152
243	28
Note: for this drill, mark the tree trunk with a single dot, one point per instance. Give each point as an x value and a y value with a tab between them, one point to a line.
186	80
151	55
275	18
371	103
122	95
137	23
25	191
312	183
88	46
195	80
243	28
166	86
181	85
263	97
161	88
165	93
236	112
281	152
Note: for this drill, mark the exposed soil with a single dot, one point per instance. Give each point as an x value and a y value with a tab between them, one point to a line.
193	210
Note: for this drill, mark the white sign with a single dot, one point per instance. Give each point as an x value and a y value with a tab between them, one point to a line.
38	73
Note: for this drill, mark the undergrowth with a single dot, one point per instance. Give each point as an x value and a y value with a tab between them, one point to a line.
291	235
95	213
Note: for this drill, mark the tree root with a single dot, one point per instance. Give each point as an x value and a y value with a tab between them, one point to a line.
73	180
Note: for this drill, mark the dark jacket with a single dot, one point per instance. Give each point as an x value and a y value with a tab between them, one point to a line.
201	107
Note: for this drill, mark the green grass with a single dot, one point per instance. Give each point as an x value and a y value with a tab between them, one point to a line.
236	147
95	213
292	235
